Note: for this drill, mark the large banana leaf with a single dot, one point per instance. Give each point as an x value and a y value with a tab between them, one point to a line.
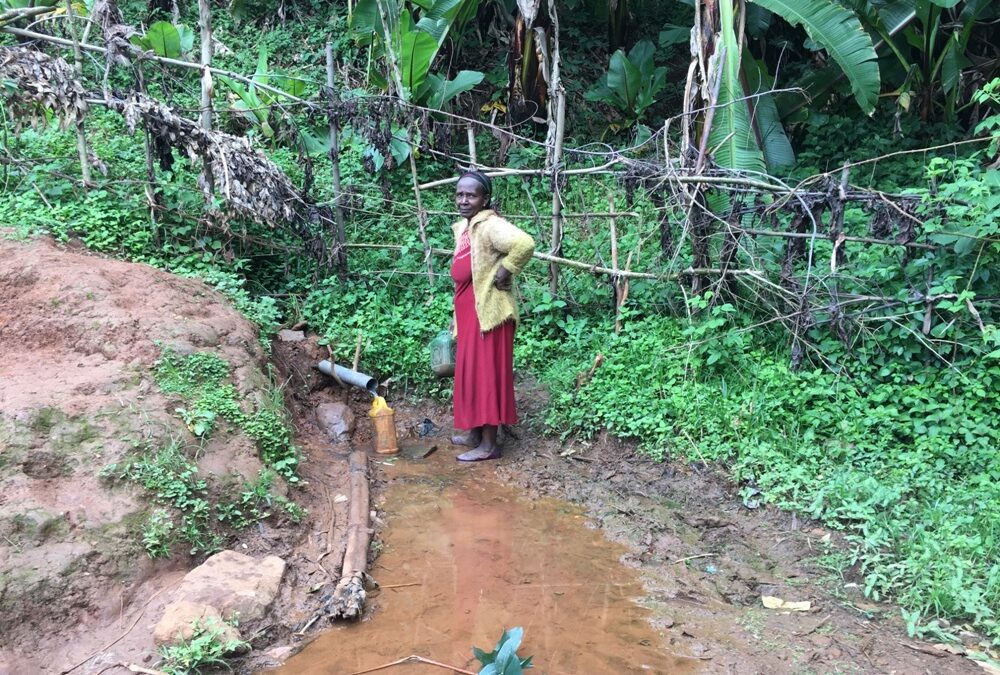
439	91
438	16
731	136
778	153
839	31
417	49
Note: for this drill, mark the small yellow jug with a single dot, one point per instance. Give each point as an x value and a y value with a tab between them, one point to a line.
385	427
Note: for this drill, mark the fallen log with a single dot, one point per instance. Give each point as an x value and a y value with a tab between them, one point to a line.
348	600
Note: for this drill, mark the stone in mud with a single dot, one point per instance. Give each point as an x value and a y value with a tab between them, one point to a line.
336	419
180	619
237	585
291	335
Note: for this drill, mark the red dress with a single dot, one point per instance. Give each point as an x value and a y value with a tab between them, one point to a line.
484	362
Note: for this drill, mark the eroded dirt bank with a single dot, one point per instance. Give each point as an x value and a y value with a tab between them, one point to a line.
79	339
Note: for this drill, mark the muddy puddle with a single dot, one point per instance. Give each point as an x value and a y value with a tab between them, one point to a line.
464	557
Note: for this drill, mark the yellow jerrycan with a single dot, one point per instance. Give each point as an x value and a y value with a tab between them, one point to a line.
385	427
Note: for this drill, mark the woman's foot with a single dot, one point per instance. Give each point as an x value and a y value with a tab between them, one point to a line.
479	454
471	439
486	449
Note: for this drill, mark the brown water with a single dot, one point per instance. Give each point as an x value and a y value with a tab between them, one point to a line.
480	558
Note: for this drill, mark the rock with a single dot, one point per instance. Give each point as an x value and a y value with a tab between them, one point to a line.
336	419
179	621
237	585
291	335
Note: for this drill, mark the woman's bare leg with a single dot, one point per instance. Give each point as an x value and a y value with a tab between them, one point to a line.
470	439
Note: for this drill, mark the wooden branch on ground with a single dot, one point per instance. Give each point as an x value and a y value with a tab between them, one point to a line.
348	599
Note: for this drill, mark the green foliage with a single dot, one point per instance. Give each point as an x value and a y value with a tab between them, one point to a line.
631	83
200	380
900	457
503	660
173	480
174	483
205	650
416	32
989	94
731	136
838	30
397	330
166	39
158	533
260	106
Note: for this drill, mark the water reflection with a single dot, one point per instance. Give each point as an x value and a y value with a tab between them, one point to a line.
483	559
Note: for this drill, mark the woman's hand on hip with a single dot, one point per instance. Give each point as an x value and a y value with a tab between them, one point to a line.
504	279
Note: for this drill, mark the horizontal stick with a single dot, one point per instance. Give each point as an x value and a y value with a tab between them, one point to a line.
147	56
525	216
594	268
703	180
820	235
24	13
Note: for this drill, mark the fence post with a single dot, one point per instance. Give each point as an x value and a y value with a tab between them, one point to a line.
558	117
338	212
81	134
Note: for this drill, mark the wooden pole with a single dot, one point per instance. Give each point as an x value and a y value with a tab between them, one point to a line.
81	133
421	213
473	161
338	211
557	220
205	25
616	280
150	186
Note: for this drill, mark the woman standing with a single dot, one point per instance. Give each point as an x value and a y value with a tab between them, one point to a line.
489	252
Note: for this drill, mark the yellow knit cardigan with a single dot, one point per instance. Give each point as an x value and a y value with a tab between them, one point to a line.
494	242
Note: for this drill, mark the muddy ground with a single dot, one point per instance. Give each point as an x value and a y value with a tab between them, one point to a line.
705	558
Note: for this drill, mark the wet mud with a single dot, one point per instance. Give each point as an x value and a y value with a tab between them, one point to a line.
611	562
464	557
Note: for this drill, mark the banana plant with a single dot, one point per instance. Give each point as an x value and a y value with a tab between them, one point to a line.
744	127
410	38
528	62
166	39
256	105
731	136
631	83
931	40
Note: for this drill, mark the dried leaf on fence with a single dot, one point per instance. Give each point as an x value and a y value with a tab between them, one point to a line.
41	82
251	185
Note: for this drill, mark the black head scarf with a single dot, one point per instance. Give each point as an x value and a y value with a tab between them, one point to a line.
483	180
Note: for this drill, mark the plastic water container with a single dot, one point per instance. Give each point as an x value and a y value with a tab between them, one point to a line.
384	422
442	349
